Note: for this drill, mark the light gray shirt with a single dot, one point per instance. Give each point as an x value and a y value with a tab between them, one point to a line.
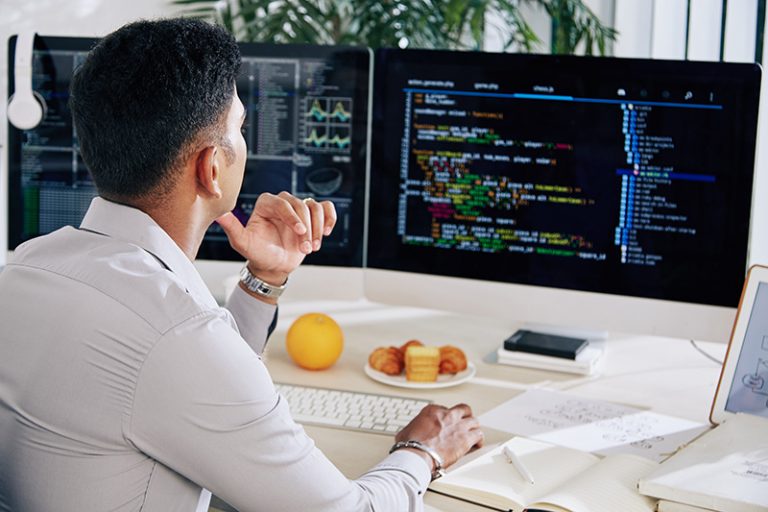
125	387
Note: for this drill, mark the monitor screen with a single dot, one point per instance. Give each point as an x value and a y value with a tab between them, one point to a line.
306	131
623	177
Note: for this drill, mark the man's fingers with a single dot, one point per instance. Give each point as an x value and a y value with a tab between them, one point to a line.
460	411
301	209
308	218
477	438
471	423
317	215
329	211
278	208
289	210
234	230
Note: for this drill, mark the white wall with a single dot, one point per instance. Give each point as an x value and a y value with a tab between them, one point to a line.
64	18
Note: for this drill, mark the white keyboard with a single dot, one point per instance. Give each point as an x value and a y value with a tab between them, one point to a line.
351	410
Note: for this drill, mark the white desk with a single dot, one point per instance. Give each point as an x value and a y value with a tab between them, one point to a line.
663	374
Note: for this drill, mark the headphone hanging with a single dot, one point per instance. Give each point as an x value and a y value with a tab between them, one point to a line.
26	108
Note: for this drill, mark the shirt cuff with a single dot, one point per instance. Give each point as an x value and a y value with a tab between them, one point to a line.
408	462
253	318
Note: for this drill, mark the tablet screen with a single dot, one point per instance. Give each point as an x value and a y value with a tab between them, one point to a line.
749	388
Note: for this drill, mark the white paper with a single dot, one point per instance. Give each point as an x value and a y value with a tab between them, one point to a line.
591	425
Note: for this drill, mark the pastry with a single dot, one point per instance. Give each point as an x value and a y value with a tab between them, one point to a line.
422	363
388	360
452	359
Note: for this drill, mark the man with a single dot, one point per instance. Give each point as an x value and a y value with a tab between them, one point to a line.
123	385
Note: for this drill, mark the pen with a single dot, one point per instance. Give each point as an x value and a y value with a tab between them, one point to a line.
513	459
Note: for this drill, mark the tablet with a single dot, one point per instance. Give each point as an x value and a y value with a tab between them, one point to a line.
743	386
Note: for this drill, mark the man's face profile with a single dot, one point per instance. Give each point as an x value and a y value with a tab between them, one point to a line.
233	169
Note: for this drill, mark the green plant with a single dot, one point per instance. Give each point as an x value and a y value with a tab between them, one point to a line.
454	24
572	24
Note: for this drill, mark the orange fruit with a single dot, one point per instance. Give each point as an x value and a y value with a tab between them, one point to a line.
314	341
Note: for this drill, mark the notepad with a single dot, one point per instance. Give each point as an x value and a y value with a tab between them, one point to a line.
566	480
725	469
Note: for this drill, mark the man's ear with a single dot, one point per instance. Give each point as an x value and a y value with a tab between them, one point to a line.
208	171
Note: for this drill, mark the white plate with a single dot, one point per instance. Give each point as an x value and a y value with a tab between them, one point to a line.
445	380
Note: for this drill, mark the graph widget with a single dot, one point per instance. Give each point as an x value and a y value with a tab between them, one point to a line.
327	124
562	172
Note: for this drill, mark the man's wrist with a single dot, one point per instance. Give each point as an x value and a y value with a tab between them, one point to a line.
270	277
431	454
260	287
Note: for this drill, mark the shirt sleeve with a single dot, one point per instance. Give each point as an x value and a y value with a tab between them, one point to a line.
205	406
255	319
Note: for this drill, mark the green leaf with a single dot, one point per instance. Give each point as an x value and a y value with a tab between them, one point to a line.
448	24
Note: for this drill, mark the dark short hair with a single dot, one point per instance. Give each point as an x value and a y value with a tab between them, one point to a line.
144	94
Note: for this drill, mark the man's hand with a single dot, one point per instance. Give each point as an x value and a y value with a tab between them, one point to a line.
282	230
451	432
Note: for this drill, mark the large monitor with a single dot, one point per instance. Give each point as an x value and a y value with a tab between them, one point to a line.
612	194
306	130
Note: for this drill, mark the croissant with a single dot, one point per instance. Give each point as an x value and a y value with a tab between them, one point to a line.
388	360
452	359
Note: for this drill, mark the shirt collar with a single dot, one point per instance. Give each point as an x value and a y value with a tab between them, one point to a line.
133	226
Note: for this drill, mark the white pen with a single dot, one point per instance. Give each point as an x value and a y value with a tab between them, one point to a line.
513	459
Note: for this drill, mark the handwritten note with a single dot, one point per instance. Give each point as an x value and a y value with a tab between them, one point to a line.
591	425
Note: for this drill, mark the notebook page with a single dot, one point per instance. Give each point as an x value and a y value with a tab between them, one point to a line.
493	474
608	486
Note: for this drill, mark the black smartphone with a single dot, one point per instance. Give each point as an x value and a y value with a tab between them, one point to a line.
545	344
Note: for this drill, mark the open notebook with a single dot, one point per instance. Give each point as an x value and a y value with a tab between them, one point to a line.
566	480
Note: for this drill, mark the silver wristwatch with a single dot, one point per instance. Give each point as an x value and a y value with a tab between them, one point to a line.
260	287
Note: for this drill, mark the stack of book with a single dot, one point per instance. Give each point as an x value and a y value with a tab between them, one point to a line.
550	352
586	363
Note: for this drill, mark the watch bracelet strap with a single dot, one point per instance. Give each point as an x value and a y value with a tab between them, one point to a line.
438	460
260	287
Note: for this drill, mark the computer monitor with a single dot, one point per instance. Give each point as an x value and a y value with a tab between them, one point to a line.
600	193
306	130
